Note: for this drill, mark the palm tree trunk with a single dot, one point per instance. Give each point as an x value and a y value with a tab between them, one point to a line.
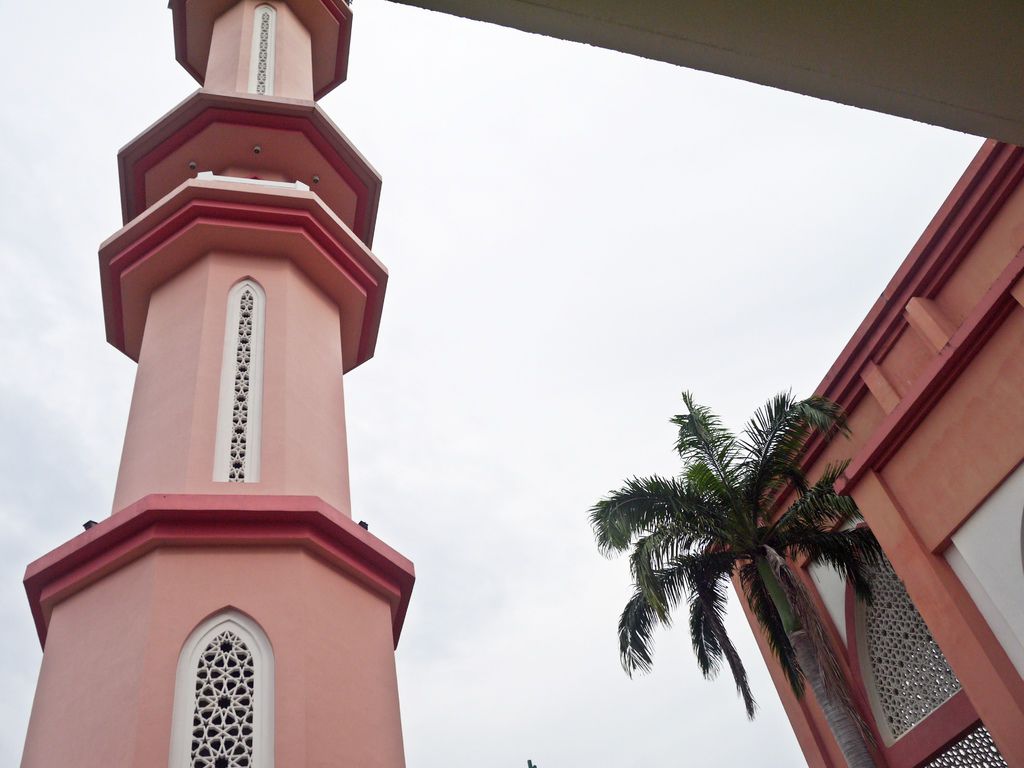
841	721
841	718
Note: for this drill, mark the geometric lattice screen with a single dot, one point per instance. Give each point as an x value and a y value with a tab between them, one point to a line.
264	18
222	721
240	405
911	676
975	750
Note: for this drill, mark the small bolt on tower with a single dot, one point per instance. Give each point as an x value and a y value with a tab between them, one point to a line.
230	612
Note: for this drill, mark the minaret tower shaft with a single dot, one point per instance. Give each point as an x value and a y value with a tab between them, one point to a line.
229	612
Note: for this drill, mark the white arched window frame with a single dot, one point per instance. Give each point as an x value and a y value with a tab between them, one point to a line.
240	406
188	686
261	65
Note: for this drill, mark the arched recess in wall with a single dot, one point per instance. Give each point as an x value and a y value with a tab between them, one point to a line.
907	679
240	406
261	64
905	671
223	713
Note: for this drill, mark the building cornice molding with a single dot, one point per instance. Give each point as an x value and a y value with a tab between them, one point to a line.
977	198
233	210
196	521
203	108
938	375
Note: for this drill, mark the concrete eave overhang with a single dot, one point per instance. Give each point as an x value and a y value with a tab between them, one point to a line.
329	23
219	130
257	220
948	64
161	521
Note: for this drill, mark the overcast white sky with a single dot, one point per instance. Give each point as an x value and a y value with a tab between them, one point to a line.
574	236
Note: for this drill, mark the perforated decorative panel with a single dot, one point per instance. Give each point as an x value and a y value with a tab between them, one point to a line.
911	675
265	19
975	750
240	408
222	722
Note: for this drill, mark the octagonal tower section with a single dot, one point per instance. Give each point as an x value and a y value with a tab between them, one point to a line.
243	292
298	49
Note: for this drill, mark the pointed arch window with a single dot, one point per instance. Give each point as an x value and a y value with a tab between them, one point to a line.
224	696
261	66
239	416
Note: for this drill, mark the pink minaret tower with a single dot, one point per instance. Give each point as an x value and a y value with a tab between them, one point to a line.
229	612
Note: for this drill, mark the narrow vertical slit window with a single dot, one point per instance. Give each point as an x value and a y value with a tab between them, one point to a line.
237	456
243	378
261	68
224	696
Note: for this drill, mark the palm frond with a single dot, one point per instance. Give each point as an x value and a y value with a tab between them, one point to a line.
824	415
769	426
853	553
656	593
719	493
711	643
636	634
819	506
774	438
641	505
705	641
702	577
647	504
703	438
760	602
649	557
767	463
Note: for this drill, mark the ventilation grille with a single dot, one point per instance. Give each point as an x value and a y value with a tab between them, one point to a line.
912	677
240	407
222	722
975	750
265	19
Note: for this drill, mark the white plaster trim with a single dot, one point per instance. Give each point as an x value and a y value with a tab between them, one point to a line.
211	176
254	60
867	674
263	699
831	588
225	407
986	555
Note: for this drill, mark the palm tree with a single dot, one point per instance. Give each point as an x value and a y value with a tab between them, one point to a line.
691	534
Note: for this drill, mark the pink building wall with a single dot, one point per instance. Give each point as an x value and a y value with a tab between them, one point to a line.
933	382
